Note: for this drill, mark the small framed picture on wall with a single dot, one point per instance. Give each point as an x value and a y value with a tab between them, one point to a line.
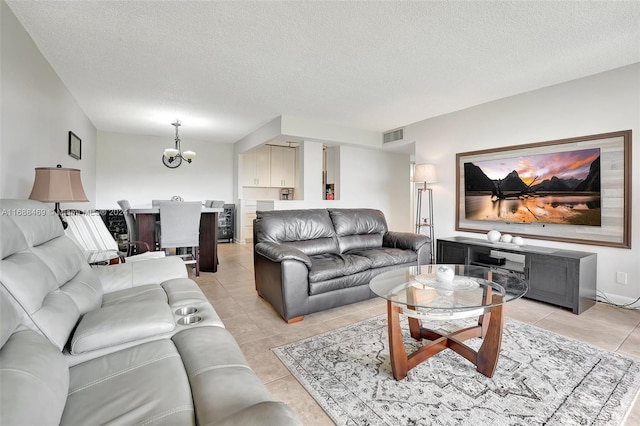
75	146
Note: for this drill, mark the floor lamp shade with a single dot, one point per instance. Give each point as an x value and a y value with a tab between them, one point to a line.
425	173
57	185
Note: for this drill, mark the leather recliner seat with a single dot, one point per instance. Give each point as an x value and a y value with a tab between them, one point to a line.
311	260
82	345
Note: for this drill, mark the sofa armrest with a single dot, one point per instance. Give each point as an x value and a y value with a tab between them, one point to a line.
279	252
133	274
405	240
267	413
121	323
224	388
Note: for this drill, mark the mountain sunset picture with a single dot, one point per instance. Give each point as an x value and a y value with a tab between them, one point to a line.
559	188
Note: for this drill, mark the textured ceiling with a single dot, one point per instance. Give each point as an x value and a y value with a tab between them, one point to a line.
226	68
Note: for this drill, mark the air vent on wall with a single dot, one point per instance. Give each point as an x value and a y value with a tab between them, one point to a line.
393	135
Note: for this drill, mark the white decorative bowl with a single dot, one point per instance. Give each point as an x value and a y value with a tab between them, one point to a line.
444	274
506	238
493	236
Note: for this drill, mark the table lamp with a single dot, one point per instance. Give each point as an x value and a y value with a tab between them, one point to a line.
57	185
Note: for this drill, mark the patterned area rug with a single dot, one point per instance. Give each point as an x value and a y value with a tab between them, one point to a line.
542	378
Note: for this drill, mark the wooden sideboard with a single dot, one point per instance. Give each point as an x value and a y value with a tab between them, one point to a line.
565	278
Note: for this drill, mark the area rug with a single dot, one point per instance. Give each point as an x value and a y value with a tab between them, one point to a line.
542	378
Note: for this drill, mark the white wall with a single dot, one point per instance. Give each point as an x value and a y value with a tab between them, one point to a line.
379	180
311	171
130	167
600	103
37	113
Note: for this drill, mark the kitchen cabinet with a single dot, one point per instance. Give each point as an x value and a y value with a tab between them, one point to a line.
247	215
283	166
256	167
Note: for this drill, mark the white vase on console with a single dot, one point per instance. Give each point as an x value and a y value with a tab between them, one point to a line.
506	238
493	236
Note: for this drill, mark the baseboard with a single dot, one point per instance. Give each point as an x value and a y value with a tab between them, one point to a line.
618	300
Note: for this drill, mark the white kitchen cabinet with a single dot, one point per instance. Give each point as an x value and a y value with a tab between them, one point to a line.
256	167
246	213
283	166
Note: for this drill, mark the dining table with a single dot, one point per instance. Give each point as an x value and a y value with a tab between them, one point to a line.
147	217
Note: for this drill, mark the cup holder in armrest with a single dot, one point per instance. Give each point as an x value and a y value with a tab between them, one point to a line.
186	310
190	320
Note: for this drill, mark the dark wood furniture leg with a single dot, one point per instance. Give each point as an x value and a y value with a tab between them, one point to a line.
397	351
146	224
485	359
209	242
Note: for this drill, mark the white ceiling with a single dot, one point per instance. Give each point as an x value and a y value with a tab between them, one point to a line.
226	68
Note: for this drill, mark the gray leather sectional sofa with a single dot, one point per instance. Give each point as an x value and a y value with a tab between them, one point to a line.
307	261
82	345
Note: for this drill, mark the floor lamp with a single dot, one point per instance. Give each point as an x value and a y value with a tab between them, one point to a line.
424	174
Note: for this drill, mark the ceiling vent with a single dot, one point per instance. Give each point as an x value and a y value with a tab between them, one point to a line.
393	135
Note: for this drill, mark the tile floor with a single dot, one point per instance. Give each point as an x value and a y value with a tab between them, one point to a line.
257	327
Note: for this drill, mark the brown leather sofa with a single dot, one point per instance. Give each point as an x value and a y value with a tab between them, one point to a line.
307	261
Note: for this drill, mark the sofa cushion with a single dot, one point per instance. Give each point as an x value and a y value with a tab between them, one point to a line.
13	240
386	256
33	287
9	318
34	379
349	243
35	220
327	266
358	228
85	289
144	384
310	231
358	221
37	276
33	373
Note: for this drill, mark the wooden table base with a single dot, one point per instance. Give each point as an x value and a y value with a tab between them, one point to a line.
485	359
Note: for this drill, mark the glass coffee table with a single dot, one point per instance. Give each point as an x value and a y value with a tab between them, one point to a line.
443	293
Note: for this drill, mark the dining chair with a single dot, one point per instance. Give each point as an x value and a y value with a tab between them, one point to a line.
156	204
132	233
180	229
214	203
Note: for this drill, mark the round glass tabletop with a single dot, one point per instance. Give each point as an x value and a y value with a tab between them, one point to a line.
448	290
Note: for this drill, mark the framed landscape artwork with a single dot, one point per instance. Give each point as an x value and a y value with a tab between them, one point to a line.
576	190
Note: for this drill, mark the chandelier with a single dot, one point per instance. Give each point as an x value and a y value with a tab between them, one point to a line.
172	157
